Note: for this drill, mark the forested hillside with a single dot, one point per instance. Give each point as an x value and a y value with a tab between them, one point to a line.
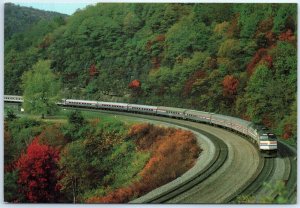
19	19
235	59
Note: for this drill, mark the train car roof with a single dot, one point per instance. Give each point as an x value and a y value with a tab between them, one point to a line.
170	108
83	101
221	116
195	111
112	103
13	96
145	106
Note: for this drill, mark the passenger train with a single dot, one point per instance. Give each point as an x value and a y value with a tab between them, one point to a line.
265	140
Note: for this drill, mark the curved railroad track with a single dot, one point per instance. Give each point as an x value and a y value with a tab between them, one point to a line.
244	168
235	168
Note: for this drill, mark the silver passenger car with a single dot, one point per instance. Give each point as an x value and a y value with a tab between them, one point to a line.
240	125
112	106
81	103
253	132
142	108
221	120
171	112
200	116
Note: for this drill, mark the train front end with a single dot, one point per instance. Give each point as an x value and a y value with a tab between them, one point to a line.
268	144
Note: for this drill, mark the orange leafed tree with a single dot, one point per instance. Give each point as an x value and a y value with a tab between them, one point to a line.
230	85
260	55
287	131
287	36
135	84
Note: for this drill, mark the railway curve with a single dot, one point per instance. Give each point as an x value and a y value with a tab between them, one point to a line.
239	171
220	168
283	168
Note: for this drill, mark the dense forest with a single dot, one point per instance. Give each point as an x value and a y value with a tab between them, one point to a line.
19	19
234	59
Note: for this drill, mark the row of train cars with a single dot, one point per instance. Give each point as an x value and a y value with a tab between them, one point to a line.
265	140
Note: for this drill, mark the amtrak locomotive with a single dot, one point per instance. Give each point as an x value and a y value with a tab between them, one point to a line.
265	140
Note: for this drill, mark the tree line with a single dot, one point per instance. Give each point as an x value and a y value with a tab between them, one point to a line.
234	59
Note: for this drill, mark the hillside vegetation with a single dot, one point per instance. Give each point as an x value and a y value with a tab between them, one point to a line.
91	160
234	59
19	19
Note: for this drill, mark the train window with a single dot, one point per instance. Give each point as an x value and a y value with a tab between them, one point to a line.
263	137
272	137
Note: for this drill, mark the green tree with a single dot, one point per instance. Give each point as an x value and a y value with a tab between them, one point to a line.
80	172
266	97
229	48
41	89
19	135
11	187
256	98
75	118
250	15
285	18
209	13
11	115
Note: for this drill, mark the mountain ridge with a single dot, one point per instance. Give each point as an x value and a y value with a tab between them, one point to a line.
19	18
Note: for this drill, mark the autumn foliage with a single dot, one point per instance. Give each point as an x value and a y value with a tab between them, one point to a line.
267	121
230	85
288	131
93	70
260	56
173	153
37	173
155	61
199	74
134	84
287	36
53	136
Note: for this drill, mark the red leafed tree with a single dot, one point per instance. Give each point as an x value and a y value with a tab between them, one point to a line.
260	55
37	173
93	70
230	85
135	84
